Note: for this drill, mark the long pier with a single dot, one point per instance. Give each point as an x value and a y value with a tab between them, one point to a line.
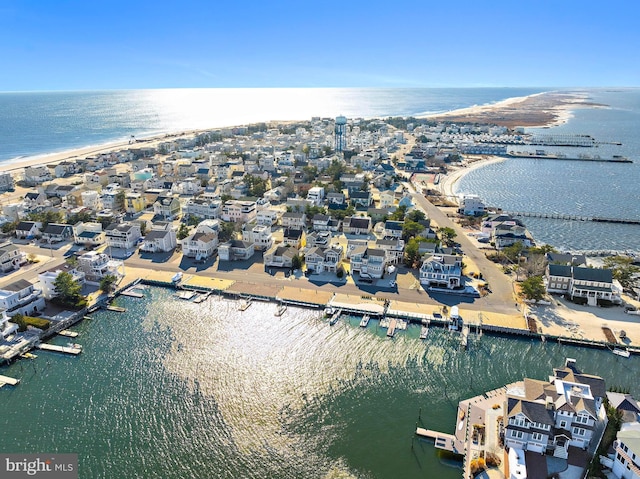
59	349
562	216
7	380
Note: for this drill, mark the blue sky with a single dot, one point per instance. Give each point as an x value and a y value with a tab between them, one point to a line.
114	44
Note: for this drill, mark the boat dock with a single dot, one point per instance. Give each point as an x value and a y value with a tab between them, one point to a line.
59	349
336	316
131	293
202	297
281	310
441	439
392	327
424	331
244	304
365	321
186	295
464	337
7	380
68	334
117	309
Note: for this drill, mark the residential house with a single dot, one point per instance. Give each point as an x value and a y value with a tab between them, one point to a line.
200	245
203	208
239	211
337	200
318	238
548	417
48	278
393	229
161	239
361	199
90	199
36	175
626	404
320	260
353	182
134	203
55	233
6	182
124	235
626	462
259	235
441	271
20	297
369	262
321	222
357	225
595	285
6	328
280	256
167	206
316	195
28	229
394	249
235	250
294	220
10	257
509	233
567	259
470	205
387	199
89	234
33	199
96	266
294	237
267	217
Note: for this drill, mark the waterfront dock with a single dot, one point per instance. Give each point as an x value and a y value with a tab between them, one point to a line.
117	309
441	439
392	327
424	331
7	380
132	294
60	349
281	310
244	304
365	321
68	334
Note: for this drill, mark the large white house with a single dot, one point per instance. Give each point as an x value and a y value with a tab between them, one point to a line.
626	463
593	284
96	266
49	277
123	235
441	271
20	297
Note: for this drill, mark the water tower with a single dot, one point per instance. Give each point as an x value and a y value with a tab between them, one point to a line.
341	133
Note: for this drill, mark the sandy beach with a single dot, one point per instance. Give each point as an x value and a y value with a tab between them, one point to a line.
447	183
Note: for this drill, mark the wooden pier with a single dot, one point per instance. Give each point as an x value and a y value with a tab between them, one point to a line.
392	327
117	309
566	217
132	294
59	349
7	380
441	439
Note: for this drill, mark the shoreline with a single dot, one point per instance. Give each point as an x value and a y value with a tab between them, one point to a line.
447	184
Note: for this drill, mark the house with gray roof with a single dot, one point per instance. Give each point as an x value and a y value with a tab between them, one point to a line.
55	232
593	284
161	239
10	257
357	225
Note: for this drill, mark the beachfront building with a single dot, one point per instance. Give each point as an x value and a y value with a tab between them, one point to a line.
369	262
280	256
55	233
626	461
20	297
235	250
441	271
592	284
48	278
471	205
161	239
123	235
6	182
394	249
200	245
259	235
36	175
96	266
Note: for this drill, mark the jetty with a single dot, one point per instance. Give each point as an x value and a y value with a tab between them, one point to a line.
441	439
336	316
73	350
7	380
567	217
365	321
68	334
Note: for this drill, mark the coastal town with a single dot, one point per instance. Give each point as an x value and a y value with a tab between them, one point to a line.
346	215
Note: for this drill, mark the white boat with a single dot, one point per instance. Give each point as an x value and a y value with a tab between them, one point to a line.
364	321
176	277
621	352
424	331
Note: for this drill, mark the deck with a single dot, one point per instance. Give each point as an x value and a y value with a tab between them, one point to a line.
59	349
441	439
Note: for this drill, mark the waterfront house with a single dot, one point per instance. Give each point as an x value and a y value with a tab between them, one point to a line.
592	284
6	328
509	233
441	271
470	205
48	278
200	245
626	404
28	229
124	235
626	458
259	235
394	249
36	175
566	259
20	297
89	234
319	260
280	256
6	182
10	257
96	266
161	239
357	225
55	233
368	261
235	250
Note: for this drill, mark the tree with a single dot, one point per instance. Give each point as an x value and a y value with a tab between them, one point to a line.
10	227
227	229
118	201
68	290
447	235
399	214
415	215
622	269
513	251
183	232
20	321
296	262
411	229
412	252
108	283
533	288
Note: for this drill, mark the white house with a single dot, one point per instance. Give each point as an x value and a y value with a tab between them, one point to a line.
202	208
48	278
28	229
96	266
123	235
200	245
470	205
10	257
239	211
235	250
316	195
626	463
259	235
160	239
267	217
20	297
441	271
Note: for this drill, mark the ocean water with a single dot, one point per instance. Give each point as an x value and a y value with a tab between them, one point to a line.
574	187
173	389
37	123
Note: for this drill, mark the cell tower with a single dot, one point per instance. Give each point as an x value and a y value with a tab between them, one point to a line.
341	134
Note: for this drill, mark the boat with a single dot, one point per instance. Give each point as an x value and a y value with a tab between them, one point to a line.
423	332
336	316
365	321
281	309
74	345
176	277
328	311
621	352
244	304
